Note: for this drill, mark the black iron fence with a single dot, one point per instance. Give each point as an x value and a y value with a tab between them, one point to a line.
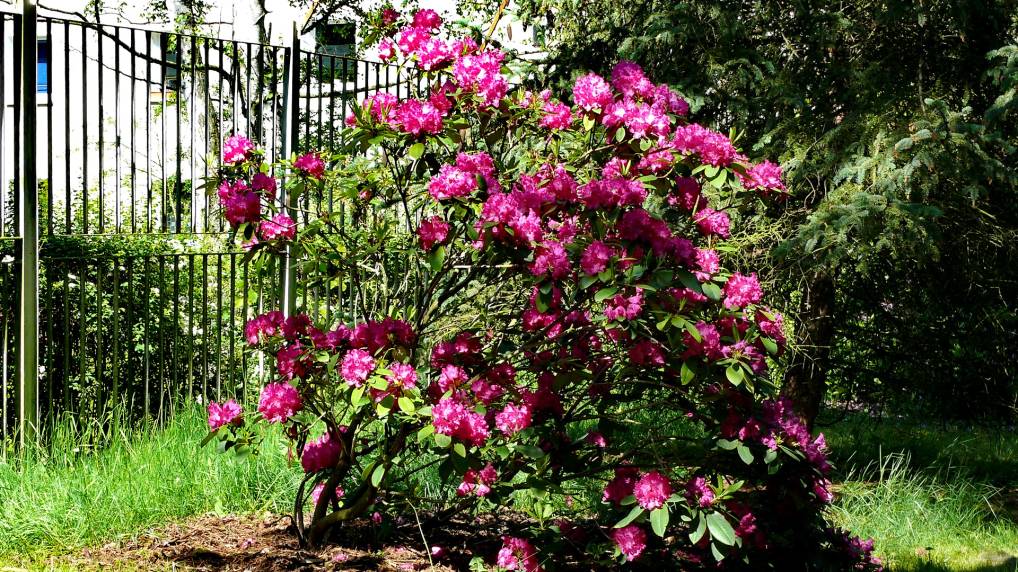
141	296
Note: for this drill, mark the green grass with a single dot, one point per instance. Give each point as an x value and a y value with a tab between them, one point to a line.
935	498
65	498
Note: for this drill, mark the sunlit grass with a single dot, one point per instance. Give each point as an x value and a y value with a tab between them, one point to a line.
64	498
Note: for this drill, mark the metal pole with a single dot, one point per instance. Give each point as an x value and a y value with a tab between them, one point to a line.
28	228
291	128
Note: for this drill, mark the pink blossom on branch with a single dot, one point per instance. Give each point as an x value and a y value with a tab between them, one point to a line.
310	165
631	541
226	414
279	226
236	149
518	554
591	92
356	367
278	402
741	291
433	231
321	453
652	490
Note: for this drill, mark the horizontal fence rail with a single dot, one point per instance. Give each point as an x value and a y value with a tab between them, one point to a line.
142	297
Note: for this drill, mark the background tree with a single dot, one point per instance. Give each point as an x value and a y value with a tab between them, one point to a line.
896	130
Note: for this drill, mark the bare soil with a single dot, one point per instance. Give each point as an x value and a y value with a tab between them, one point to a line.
269	543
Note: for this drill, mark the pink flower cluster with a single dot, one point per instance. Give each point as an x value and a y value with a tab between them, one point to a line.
310	165
478	482
357	365
237	149
460	180
226	414
278	402
741	291
322	453
652	490
592	93
621	307
280	226
518	554
712	147
713	223
431	232
631	541
513	418
699	492
263	326
240	203
450	417
765	176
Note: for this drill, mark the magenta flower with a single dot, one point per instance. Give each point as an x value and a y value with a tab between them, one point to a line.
386	49
427	19
518	554
403	375
740	291
652	490
236	149
316	493
713	223
621	486
240	204
278	402
595	258
513	419
556	116
765	176
265	184
631	541
226	414
311	165
321	453
433	231
699	492
591	92
279	226
415	117
356	367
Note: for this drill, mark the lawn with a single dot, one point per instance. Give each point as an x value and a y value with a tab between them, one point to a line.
934	498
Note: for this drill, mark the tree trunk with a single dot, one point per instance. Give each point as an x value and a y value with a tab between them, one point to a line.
806	378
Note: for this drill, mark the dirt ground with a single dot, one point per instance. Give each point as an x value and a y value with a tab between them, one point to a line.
269	543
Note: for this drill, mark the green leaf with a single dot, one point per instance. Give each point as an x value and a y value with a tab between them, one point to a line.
701	529
686	374
605	293
377	475
531	451
769	345
586	281
735	374
406	405
712	291
633	515
356	396
770	455
460	449
745	454
720	529
425	432
727	444
659	520
443	441
416	150
436	258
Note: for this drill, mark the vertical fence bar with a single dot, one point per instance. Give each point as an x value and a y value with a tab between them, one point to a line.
28	226
291	129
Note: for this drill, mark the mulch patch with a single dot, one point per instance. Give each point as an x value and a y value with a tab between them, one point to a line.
269	543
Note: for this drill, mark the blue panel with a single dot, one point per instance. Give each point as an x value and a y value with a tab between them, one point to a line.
42	68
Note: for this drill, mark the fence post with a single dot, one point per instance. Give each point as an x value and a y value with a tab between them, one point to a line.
291	129
28	229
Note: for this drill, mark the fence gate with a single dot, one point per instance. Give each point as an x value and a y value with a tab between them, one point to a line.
142	297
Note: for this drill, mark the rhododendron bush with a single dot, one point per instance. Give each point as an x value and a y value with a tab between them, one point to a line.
532	303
